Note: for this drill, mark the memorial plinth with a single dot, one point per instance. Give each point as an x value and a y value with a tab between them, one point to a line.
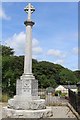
26	103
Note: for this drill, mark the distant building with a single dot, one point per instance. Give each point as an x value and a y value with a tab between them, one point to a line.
64	88
71	87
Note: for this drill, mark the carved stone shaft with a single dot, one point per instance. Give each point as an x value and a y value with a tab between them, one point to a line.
28	50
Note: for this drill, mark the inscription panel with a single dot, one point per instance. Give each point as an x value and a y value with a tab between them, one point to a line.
26	87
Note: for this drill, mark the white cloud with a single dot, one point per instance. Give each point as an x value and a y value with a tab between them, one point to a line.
35	42
75	51
17	42
3	14
37	50
60	61
36	47
55	53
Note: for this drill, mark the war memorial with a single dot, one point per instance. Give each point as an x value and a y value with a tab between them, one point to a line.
26	103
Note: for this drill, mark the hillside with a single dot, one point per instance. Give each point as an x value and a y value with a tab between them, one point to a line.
47	73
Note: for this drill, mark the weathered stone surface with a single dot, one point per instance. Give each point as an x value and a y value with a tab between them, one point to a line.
26	104
27	85
11	113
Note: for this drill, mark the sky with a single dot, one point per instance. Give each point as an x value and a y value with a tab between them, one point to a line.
55	33
40	0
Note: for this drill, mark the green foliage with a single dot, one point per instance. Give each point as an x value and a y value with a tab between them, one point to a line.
77	74
45	73
67	76
6	51
58	93
64	94
5	97
48	74
12	69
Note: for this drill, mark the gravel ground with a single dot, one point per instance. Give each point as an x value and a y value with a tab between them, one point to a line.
58	111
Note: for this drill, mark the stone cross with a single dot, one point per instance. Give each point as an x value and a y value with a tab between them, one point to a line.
28	51
26	103
29	9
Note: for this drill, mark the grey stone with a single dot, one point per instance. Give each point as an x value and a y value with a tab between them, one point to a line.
27	103
27	85
11	113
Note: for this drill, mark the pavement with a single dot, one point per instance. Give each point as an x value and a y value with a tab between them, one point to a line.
62	112
58	111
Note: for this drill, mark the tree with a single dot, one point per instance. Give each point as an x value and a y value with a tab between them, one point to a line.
48	74
77	74
12	69
67	76
7	51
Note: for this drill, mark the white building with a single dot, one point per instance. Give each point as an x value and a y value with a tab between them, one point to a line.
64	88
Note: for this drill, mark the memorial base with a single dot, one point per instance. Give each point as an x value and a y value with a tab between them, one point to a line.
12	113
26	103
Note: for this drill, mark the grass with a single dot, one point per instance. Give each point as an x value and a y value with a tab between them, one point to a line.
63	94
4	98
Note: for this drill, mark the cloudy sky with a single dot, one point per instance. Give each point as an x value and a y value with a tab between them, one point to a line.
55	33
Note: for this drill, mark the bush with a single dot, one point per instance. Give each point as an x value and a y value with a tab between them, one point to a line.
64	94
58	93
5	97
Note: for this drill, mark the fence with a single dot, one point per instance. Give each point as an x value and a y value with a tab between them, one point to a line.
51	98
74	100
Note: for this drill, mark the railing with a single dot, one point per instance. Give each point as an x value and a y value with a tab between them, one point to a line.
74	100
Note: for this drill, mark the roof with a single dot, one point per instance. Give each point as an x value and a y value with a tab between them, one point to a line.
60	87
70	86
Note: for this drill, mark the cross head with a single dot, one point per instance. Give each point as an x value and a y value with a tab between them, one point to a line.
29	9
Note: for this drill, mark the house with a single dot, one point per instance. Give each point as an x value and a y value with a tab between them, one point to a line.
64	88
61	88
